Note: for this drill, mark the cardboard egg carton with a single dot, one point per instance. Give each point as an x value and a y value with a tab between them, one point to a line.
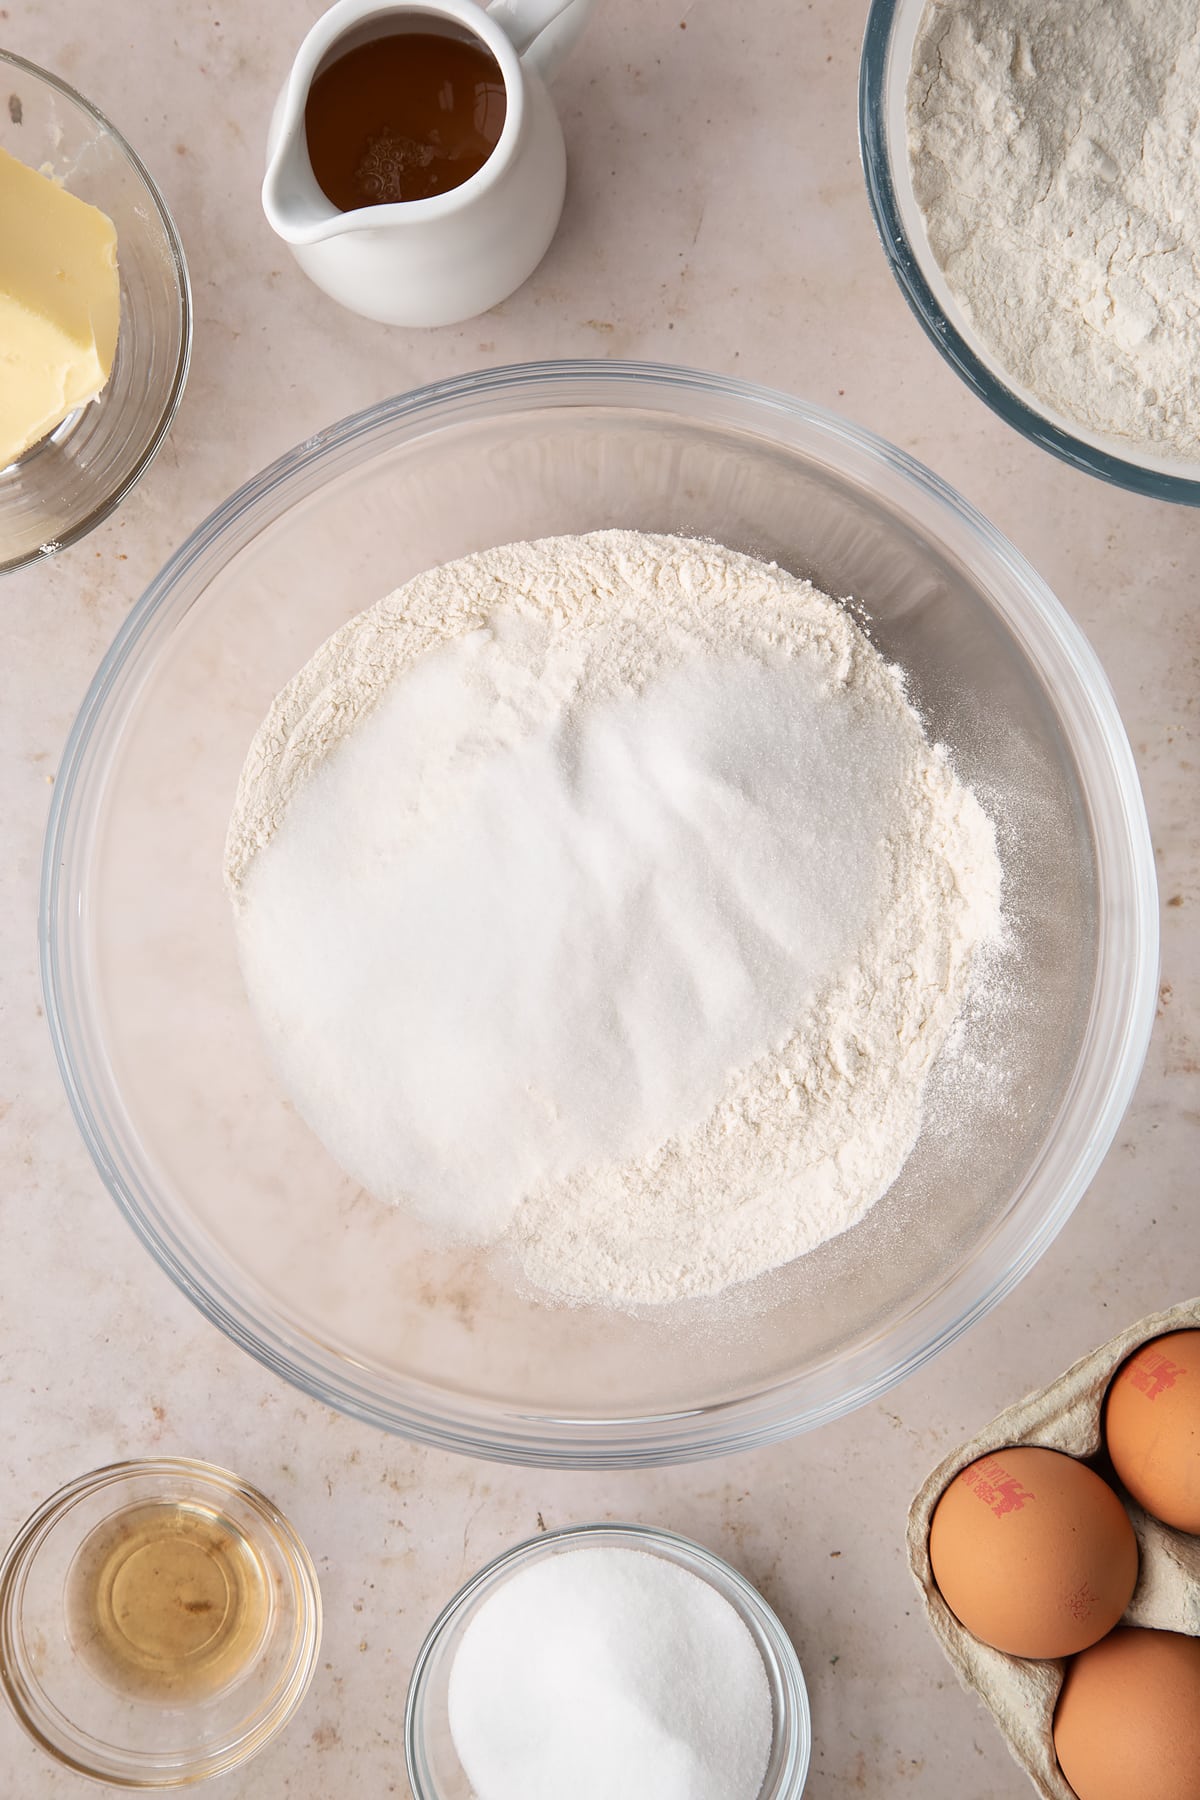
1064	1416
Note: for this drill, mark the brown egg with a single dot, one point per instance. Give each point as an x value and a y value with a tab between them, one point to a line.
1127	1724
1033	1552
1152	1428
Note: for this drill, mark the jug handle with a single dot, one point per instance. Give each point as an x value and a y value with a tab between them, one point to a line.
542	32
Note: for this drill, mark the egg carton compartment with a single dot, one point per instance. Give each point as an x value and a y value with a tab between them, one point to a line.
1022	1694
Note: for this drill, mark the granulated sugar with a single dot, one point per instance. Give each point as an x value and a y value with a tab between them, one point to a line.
609	1674
605	893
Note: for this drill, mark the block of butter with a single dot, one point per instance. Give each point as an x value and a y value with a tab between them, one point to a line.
59	304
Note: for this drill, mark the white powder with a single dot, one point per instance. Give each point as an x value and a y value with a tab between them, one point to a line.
609	1674
1055	155
605	892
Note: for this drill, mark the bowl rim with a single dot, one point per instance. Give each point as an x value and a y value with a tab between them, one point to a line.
876	155
779	1654
101	509
44	1721
1111	1054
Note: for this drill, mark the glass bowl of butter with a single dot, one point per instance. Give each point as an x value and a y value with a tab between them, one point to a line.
95	315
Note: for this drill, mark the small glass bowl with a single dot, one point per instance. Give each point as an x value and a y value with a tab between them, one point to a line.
887	53
158	1697
61	487
434	1771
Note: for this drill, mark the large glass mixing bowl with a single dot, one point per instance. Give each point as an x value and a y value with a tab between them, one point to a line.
181	1109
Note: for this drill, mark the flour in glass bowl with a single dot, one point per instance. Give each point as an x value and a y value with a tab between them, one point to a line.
1054	147
603	895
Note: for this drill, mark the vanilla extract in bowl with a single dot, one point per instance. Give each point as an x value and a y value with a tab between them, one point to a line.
160	1623
168	1600
403	118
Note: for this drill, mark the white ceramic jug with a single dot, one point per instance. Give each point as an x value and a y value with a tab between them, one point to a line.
446	258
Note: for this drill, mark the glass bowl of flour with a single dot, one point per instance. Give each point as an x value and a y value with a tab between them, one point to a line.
1031	173
209	1151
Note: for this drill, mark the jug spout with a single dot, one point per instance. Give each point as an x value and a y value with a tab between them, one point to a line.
297	211
296	208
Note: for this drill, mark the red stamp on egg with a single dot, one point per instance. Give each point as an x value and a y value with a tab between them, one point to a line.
1152	1373
990	1481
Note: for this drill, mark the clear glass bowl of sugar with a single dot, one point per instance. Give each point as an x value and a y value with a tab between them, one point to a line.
435	1771
887	55
354	1300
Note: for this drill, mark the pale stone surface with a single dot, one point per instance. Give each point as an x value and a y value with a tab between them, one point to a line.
716	216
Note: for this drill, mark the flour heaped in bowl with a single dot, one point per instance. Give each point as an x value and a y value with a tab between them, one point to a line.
1031	174
1051	159
603	895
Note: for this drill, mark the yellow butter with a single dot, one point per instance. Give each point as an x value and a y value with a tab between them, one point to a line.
59	304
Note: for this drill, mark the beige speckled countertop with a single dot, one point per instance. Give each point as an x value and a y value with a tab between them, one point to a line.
716	216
